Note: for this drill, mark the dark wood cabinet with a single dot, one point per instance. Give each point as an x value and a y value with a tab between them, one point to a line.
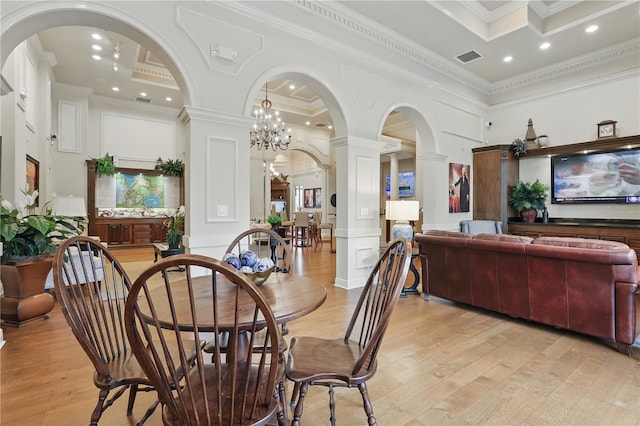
494	172
624	231
131	231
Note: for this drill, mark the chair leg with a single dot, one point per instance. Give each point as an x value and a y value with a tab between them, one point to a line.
297	413
283	398
368	408
132	398
97	412
332	406
294	394
281	413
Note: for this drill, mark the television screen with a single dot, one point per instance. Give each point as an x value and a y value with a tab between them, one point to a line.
605	177
406	184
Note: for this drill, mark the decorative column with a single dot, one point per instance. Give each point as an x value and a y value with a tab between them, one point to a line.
393	181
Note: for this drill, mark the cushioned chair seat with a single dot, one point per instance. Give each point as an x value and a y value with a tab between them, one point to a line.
481	226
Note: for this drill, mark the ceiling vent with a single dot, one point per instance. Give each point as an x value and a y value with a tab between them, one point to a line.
471	55
321	125
144	100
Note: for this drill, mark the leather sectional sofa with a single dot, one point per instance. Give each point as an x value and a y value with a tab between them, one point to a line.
582	285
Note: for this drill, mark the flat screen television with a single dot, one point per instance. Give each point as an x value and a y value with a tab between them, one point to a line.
604	177
406	184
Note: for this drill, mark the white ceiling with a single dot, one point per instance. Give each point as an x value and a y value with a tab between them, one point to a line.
441	29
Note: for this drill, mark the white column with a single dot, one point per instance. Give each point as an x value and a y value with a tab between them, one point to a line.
435	195
358	225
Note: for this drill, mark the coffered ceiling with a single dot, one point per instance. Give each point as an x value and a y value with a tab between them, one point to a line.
441	30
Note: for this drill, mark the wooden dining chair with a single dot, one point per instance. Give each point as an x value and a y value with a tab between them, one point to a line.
301	229
94	311
286	223
351	360
237	387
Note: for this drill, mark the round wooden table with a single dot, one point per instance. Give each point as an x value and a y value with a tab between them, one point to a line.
289	296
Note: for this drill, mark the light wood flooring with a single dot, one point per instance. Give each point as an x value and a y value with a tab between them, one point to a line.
441	364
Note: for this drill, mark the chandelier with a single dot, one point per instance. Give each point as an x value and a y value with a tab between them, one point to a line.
269	130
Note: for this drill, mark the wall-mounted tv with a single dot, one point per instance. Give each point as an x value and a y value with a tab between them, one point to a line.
406	184
603	177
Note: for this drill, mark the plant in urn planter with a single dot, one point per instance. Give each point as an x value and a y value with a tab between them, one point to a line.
29	241
528	198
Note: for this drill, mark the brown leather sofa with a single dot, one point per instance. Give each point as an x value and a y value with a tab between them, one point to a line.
587	286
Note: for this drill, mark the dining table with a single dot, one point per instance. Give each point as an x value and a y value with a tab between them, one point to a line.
289	297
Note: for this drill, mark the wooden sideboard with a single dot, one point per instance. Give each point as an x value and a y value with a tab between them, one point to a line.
131	231
624	231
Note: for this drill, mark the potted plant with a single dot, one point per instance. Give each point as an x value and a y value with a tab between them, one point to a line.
175	229
105	166
528	198
29	241
172	167
519	147
275	220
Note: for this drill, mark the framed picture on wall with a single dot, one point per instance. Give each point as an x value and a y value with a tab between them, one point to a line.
459	188
317	198
309	202
33	177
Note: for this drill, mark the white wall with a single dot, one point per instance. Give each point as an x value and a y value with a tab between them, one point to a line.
571	116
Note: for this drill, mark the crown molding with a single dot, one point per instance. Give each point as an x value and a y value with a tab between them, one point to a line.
577	64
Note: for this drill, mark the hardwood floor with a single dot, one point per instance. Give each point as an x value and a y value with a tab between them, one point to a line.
441	363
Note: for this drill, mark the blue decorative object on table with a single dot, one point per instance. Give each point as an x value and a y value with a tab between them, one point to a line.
248	258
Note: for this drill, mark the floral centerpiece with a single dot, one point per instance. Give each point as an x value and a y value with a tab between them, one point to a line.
175	229
25	234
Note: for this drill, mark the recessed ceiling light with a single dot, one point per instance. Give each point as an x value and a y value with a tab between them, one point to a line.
96	47
96	36
115	88
591	29
308	123
508	58
168	99
545	45
143	93
97	57
330	126
292	86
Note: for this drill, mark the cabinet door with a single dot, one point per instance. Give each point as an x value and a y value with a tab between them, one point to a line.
158	233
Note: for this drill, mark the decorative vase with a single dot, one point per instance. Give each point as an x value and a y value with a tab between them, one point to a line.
24	297
528	215
543	141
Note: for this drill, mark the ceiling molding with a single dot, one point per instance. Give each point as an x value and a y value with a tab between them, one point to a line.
566	67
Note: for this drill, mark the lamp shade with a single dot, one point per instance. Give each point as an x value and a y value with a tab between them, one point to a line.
69	206
402	210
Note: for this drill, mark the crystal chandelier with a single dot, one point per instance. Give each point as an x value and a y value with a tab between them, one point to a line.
269	130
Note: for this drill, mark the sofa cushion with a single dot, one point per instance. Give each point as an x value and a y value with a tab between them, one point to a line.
452	234
504	237
581	243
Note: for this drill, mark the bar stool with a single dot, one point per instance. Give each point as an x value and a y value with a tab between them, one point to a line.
301	228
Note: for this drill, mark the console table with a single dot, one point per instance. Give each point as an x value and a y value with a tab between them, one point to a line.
624	231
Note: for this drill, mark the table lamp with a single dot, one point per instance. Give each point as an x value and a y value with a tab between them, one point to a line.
402	212
70	206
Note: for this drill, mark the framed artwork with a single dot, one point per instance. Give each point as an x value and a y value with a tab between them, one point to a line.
317	198
308	199
33	177
459	188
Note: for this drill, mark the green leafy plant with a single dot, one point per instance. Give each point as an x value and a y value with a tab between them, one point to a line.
104	165
172	167
274	219
33	235
526	195
175	229
519	147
